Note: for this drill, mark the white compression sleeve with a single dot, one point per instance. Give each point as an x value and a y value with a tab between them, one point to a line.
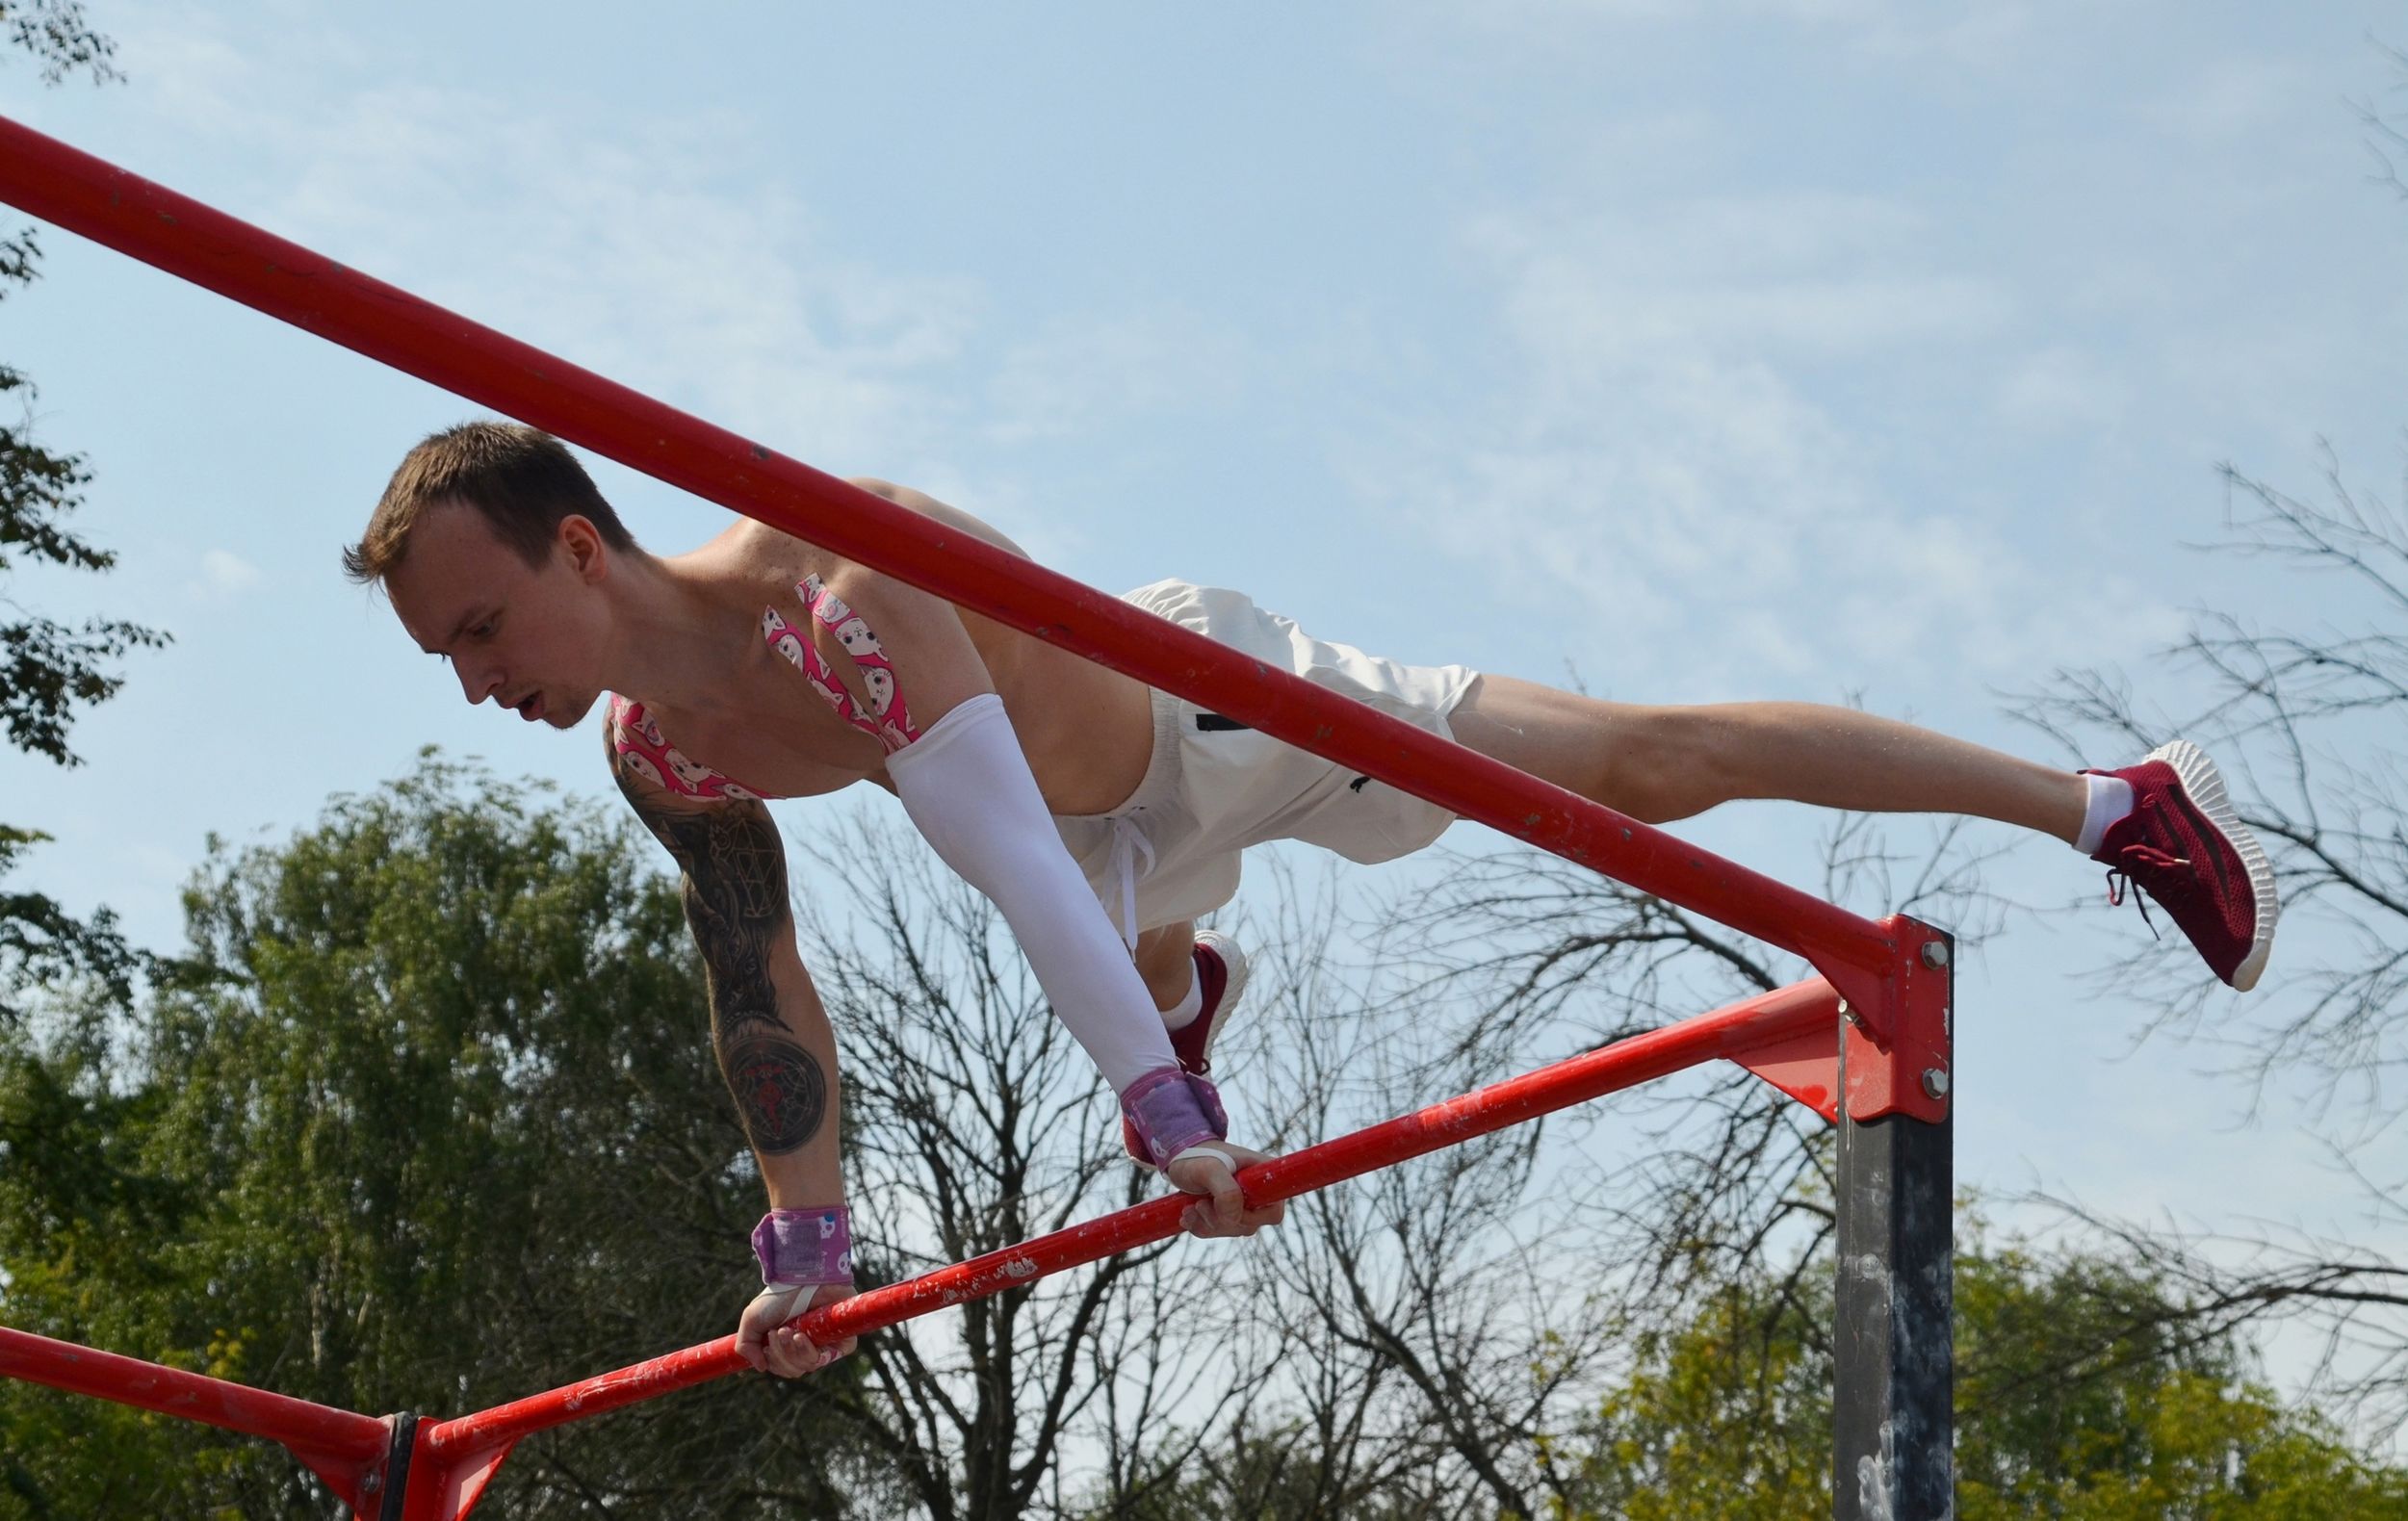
967	786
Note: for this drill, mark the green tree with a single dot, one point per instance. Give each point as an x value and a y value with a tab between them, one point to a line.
424	1118
2081	1395
48	668
2310	719
58	35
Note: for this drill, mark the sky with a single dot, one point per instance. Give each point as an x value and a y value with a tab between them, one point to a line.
1826	349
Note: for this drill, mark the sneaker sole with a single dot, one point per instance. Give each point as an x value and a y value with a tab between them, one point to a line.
1233	961
2205	785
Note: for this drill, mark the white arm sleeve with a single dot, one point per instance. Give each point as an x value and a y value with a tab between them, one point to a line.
967	786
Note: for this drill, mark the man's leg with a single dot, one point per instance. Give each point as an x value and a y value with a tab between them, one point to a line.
2166	825
1197	979
1658	763
1166	959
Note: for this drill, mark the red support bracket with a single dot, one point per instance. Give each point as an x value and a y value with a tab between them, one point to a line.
1899	1051
1805	1066
444	1486
1911	1072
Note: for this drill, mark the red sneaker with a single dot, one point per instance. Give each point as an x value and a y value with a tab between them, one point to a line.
2183	846
1221	976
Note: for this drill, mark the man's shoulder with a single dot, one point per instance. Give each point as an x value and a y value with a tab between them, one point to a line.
754	550
928	506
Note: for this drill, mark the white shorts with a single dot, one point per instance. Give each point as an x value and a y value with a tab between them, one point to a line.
1213	786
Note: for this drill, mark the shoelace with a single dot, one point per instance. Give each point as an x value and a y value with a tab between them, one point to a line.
2119	877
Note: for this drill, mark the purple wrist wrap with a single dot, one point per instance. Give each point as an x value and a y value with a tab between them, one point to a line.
1171	1110
805	1245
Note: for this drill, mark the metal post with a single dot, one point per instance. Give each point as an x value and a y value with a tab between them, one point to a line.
394	1490
1893	1420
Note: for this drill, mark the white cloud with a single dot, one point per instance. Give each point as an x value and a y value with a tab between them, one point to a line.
1819	274
224	575
1103	371
2062	390
1985	37
2231	98
631	260
1843	13
1881	31
1662	461
627	261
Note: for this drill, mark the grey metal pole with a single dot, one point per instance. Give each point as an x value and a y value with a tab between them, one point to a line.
1893	1422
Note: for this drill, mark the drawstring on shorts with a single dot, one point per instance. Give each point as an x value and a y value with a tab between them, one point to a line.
1128	842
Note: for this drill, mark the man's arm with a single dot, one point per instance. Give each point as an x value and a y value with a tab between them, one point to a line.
776	1050
772	1037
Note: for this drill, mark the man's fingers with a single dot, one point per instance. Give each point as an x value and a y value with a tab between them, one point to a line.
752	1343
1219	1208
1228	1201
792	1354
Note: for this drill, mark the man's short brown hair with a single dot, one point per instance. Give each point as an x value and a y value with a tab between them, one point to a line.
523	479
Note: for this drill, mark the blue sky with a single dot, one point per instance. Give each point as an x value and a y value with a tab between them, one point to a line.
1768	349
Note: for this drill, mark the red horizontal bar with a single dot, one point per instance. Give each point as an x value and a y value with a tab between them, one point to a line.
88	195
298	1424
1766	1019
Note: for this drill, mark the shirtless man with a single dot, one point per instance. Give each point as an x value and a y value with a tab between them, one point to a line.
1101	816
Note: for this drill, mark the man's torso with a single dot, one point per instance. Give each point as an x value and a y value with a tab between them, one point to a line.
1087	730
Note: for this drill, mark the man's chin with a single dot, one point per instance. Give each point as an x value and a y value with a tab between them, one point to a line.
568	717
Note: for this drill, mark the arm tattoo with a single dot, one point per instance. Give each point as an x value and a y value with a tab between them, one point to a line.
735	890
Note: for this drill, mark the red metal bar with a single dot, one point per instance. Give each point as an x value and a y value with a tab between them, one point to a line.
89	196
344	1446
1768	1019
195	1397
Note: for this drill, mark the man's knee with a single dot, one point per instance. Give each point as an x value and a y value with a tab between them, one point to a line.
1659	765
1655	763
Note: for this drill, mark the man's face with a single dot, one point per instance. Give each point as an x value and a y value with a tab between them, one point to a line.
526	638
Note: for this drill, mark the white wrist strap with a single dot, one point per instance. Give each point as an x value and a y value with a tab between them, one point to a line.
1207	1149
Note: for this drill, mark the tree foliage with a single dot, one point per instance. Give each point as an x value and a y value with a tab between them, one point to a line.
2080	1396
425	1119
60	37
48	669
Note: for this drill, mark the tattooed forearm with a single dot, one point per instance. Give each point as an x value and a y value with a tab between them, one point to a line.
778	1087
735	890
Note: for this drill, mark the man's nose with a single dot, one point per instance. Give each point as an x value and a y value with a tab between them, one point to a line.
477	682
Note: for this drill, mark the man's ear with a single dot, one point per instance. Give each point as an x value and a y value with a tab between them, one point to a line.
581	543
